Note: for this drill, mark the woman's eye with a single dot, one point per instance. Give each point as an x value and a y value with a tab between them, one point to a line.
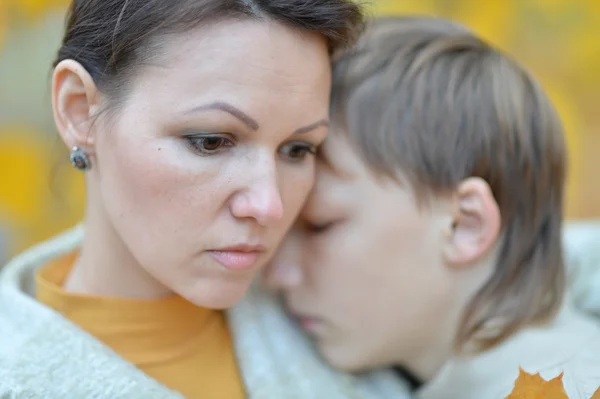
296	152
208	145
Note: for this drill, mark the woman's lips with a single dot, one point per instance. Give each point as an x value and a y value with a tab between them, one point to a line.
237	258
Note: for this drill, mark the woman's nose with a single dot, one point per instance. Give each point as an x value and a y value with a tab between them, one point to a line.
261	198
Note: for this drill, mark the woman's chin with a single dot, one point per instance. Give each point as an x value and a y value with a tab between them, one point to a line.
217	296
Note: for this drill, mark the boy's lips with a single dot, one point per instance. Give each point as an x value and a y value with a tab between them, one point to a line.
308	323
311	324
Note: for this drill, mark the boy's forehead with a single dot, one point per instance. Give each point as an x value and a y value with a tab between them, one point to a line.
337	155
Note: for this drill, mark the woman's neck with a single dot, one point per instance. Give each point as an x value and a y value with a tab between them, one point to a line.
106	267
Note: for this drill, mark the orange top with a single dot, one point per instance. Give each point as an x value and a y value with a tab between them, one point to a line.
183	346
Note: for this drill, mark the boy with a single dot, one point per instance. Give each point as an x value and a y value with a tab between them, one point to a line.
432	240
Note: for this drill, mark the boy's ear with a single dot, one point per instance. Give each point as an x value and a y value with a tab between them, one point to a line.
476	223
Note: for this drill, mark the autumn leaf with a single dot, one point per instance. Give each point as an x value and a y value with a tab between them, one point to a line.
596	394
533	386
554	389
526	386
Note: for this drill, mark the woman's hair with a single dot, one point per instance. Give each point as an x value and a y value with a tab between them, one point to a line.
112	38
424	100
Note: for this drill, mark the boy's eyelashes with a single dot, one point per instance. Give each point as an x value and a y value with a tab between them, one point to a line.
318	227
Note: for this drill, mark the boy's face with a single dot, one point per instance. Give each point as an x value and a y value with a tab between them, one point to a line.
362	270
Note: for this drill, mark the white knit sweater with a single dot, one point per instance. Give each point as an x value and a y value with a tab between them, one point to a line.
43	355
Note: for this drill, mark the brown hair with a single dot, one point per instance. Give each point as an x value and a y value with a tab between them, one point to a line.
110	38
427	99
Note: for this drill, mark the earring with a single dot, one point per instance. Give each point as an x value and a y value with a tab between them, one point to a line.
80	159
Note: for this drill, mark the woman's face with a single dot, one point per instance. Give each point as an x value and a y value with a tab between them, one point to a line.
210	157
362	269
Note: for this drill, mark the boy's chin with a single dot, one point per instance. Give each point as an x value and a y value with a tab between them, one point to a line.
345	358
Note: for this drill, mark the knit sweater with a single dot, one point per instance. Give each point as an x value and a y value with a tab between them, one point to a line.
43	355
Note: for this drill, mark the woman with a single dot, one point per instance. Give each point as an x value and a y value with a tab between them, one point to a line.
196	124
432	239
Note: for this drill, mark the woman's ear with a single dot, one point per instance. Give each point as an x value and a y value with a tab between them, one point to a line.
476	223
74	103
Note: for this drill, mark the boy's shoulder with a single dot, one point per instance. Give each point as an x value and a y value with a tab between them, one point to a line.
582	258
570	345
568	349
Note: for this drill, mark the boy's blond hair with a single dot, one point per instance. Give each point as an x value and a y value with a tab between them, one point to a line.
426	99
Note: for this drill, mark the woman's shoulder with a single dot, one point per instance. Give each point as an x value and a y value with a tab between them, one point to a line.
24	329
44	355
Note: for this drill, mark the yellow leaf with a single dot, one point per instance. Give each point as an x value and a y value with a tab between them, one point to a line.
554	389
533	386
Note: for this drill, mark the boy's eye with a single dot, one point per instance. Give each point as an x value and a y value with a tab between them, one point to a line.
317	228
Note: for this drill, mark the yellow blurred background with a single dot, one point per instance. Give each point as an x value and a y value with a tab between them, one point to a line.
40	194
